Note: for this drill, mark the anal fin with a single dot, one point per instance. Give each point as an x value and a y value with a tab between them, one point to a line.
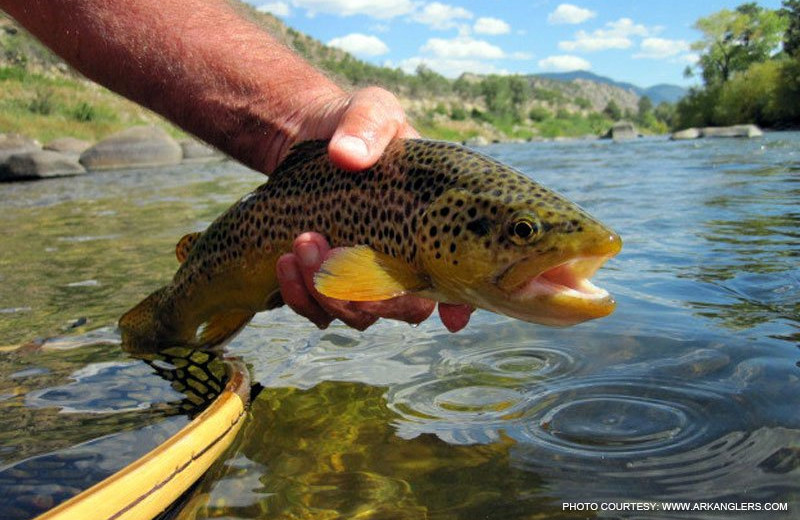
222	327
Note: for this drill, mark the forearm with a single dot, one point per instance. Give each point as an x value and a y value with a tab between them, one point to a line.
196	62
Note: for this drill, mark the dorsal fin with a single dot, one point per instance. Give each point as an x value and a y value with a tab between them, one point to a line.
300	153
185	244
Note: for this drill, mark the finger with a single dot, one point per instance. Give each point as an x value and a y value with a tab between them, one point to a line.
455	317
410	309
294	292
372	119
312	249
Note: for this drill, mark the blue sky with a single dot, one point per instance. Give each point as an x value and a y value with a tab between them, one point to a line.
642	42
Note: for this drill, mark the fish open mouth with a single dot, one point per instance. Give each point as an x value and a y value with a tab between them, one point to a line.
569	279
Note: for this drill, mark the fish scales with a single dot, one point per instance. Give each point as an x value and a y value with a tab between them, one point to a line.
443	215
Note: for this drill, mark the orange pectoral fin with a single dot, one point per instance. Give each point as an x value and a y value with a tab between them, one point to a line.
362	274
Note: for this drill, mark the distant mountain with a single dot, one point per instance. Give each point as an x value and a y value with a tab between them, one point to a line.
656	93
663	92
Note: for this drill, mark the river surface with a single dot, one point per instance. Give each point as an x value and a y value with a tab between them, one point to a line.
689	393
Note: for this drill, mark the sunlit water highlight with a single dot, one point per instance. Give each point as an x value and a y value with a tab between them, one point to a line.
690	391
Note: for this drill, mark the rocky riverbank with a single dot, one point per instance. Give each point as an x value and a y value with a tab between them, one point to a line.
23	158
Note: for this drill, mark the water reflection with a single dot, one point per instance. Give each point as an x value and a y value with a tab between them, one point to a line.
103	415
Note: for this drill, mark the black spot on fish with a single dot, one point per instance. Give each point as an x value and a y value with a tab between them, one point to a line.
481	226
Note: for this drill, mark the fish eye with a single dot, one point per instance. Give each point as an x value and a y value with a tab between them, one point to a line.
524	229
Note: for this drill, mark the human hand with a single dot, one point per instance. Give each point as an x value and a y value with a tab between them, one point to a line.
359	126
296	277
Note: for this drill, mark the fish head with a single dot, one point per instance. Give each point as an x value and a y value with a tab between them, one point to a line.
517	248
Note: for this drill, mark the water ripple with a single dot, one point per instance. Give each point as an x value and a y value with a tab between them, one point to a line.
622	417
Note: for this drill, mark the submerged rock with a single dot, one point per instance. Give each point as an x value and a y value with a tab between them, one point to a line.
196	151
732	131
41	164
12	144
137	147
687	133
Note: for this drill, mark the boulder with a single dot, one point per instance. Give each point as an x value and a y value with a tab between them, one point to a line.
196	151
68	146
622	131
41	164
137	147
478	140
12	144
732	131
687	133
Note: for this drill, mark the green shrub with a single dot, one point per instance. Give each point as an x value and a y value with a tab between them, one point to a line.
42	102
538	114
12	73
457	113
83	112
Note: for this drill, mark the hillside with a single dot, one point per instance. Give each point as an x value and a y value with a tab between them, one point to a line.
662	93
44	98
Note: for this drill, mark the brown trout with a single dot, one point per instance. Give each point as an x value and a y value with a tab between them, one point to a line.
430	218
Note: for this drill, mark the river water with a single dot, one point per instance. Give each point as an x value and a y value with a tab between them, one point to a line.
689	393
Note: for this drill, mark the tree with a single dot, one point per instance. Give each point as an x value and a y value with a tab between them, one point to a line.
791	38
613	111
645	106
431	82
733	40
520	90
497	94
665	112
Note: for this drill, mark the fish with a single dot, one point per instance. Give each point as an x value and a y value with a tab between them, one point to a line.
430	218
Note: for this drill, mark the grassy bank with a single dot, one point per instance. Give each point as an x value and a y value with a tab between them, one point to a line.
46	107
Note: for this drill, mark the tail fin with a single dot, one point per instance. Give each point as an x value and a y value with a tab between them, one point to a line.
142	327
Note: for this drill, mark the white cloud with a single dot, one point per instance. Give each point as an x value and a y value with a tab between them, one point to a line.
487	25
462	47
381	9
564	63
451	68
615	35
590	43
661	48
441	16
277	8
626	27
571	14
360	44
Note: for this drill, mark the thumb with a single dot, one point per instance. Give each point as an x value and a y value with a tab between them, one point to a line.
371	119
